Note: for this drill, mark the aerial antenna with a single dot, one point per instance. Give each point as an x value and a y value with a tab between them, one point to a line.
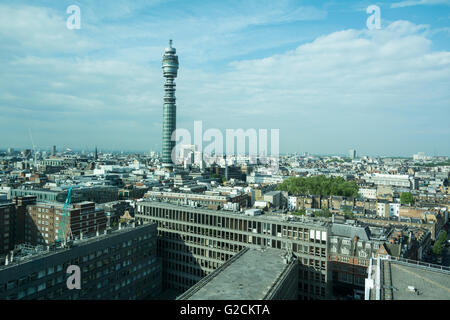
170	43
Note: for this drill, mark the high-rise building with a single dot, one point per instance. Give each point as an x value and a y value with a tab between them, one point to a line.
54	151
170	69
352	153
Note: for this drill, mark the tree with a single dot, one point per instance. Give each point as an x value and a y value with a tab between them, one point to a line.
319	185
407	198
439	243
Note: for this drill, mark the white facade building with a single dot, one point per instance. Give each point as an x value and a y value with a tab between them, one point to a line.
292	203
395	180
368	193
394	209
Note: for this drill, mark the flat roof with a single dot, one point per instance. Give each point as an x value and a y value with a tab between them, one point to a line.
249	276
88	239
266	217
431	283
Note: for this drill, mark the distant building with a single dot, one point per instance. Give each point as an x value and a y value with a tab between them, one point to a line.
394	209
368	193
395	180
420	156
43	221
274	198
352	154
383	209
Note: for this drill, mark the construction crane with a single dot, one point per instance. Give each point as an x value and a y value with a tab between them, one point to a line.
63	224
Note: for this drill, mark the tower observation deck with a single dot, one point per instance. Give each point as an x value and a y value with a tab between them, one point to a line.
170	69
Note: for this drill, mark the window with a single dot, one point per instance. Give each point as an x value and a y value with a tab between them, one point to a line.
31	290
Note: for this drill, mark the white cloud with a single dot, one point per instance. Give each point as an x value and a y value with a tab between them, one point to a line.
410	3
367	89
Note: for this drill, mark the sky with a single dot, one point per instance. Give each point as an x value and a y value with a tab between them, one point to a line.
312	69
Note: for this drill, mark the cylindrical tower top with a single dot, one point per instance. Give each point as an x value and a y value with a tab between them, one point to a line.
170	62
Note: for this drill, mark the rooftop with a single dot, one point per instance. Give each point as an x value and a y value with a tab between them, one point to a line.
265	216
39	252
249	275
402	279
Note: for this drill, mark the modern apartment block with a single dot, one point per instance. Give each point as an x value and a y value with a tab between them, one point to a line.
121	264
194	242
43	219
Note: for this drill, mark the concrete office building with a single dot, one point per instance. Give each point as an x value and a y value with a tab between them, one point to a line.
195	242
117	265
200	198
170	70
251	274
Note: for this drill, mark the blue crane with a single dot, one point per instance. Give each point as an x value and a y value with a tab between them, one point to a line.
62	229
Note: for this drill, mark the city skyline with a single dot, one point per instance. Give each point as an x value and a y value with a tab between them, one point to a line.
100	86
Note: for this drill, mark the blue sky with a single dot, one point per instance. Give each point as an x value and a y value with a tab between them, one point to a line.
309	68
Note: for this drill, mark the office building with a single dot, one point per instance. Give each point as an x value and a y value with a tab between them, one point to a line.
121	265
352	154
194	242
170	70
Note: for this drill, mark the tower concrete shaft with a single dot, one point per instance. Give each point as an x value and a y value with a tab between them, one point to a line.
170	69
